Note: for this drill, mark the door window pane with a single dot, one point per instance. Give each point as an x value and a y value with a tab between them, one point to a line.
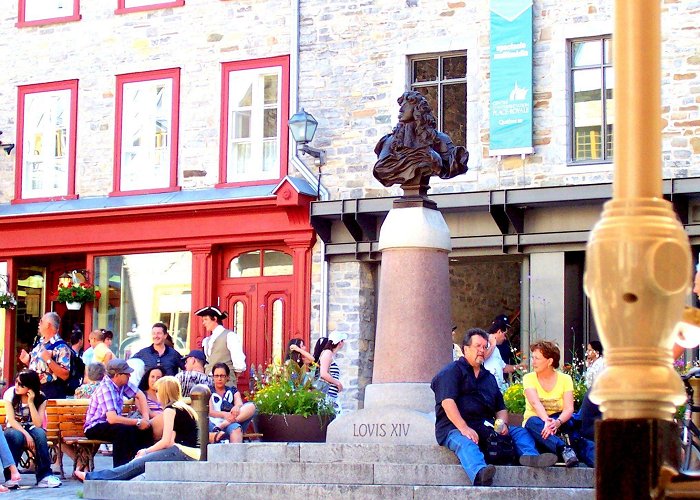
277	329
139	290
245	265
277	264
239	318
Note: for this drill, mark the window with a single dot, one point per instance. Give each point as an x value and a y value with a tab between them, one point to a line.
442	79
254	121
250	264
147	131
37	12
139	290
46	141
592	83
126	6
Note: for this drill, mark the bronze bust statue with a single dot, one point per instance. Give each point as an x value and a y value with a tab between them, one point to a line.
415	150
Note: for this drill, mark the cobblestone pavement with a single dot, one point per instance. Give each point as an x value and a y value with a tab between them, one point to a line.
71	487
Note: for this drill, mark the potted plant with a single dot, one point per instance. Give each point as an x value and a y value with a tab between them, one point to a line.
77	294
7	300
290	409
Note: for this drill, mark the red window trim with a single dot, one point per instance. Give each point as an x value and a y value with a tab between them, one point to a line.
156	5
174	74
22	92
23	23
228	67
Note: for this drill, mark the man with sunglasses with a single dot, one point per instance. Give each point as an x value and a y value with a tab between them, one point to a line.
50	357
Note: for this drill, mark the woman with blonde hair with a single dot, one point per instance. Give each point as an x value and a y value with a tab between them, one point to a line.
179	441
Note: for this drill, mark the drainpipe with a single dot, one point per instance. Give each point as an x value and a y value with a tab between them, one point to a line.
300	165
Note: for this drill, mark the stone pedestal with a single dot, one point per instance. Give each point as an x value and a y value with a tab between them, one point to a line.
413	340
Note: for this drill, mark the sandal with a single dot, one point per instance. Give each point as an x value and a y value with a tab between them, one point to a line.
218	436
12	484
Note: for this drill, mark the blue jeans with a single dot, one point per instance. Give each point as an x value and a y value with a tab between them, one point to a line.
523	441
553	444
138	465
585	450
467	452
6	457
16	442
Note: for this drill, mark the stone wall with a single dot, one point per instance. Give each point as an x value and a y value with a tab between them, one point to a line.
481	290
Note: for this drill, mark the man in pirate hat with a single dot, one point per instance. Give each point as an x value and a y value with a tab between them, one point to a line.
222	345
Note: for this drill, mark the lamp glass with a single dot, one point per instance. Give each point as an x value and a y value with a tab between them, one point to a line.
303	126
65	280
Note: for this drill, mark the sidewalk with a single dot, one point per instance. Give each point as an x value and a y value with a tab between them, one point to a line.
71	487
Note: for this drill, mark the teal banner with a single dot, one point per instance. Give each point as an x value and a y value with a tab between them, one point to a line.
511	77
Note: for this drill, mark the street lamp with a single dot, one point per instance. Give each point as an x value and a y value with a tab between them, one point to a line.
303	125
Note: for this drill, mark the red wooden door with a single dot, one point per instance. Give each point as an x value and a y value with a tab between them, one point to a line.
259	310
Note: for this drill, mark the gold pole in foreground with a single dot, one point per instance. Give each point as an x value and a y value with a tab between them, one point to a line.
638	264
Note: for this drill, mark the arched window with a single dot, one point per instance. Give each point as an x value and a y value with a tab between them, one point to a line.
239	318
261	263
277	329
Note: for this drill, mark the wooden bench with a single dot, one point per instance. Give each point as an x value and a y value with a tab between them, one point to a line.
52	435
71	421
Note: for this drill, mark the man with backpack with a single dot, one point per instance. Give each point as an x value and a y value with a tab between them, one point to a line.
50	358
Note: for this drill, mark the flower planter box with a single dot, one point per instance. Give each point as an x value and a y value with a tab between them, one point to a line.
293	428
515	419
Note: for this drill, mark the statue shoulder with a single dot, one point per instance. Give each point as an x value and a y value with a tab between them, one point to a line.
382	142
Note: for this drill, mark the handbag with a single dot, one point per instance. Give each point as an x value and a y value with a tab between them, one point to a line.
499	449
321	385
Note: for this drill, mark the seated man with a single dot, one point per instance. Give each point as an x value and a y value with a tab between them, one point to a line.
467	401
104	420
194	373
228	416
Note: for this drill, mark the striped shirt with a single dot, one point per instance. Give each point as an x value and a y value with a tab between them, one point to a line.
188	379
335	373
107	397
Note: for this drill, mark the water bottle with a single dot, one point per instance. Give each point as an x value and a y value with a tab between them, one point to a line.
498	425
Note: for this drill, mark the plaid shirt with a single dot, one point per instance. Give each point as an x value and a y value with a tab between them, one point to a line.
188	379
107	397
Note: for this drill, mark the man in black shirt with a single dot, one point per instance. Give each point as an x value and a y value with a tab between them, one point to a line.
159	354
467	400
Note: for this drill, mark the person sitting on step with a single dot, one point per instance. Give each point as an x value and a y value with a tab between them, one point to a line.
467	400
178	444
228	415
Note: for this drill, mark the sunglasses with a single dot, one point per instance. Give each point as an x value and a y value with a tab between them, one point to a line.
220	376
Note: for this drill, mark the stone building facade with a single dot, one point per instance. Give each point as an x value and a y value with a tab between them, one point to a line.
348	62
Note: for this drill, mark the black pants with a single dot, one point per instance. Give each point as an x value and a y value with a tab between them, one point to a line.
127	440
54	390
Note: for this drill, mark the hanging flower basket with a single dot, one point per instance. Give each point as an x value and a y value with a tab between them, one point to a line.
7	300
80	293
73	306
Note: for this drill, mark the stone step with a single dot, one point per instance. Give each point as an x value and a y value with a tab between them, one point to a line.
164	490
363	473
330	452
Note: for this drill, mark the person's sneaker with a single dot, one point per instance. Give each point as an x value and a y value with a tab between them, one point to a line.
49	482
485	476
569	457
542	460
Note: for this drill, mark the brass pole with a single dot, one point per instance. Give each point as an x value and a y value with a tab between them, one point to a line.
200	395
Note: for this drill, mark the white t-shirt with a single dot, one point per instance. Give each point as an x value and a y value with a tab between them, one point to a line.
495	365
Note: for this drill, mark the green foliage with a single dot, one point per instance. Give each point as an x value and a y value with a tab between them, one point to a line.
514	397
288	390
81	292
7	300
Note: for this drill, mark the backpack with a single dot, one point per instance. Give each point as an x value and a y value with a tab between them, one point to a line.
499	449
76	368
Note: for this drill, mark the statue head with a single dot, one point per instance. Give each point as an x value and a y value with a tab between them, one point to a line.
414	107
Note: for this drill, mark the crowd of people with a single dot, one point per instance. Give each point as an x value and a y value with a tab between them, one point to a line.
158	380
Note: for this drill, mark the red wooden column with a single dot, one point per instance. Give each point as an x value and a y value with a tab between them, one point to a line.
8	356
301	296
202	288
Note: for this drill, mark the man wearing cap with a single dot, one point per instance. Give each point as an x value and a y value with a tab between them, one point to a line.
159	354
104	420
499	327
194	372
222	345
